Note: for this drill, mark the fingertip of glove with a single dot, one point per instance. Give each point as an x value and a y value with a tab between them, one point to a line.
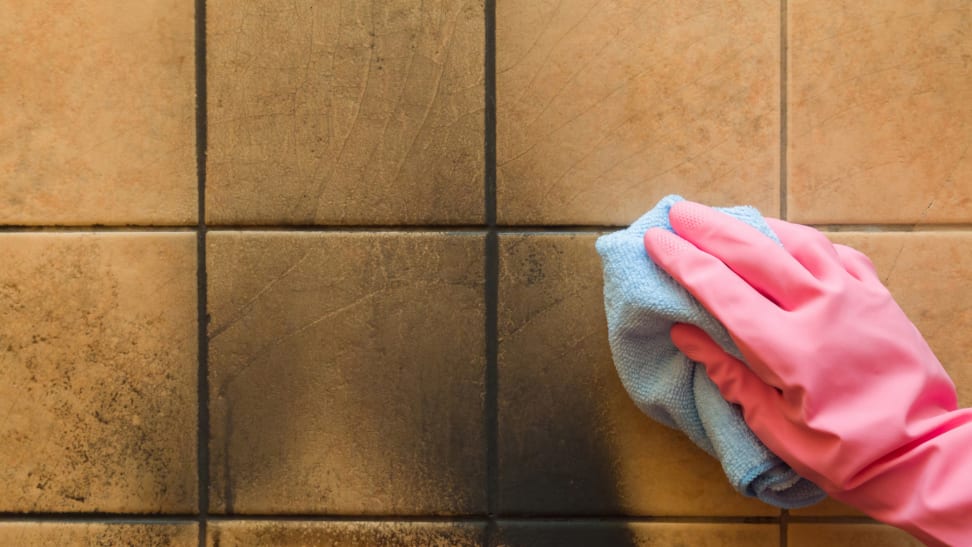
662	244
689	216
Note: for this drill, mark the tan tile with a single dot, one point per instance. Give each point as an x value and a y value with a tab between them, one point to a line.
98	107
828	507
927	272
880	111
583	534
345	112
571	441
339	534
98	356
603	108
347	372
848	535
37	534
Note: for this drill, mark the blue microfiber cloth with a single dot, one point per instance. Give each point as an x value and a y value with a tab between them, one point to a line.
642	303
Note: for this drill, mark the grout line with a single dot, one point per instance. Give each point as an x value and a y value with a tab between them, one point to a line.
526	519
179	518
784	127
445	229
352	228
831	520
349	518
92	518
586	519
897	228
784	181
491	271
202	390
94	228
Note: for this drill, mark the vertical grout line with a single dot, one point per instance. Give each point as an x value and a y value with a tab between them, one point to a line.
202	389
783	108
491	272
784	514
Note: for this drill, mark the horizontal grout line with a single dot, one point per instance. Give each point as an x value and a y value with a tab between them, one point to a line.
347	518
127	518
831	520
455	228
155	518
958	227
119	518
643	519
95	228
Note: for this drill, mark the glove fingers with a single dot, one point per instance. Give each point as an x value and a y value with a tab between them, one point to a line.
700	347
760	402
756	258
856	263
810	247
720	290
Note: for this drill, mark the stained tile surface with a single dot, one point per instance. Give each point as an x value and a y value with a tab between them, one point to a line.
97	104
96	534
570	439
603	108
98	359
347	373
880	111
345	112
582	534
341	534
848	535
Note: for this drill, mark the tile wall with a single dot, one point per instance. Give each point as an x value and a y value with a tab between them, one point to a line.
322	271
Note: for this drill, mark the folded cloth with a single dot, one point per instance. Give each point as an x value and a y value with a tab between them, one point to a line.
642	304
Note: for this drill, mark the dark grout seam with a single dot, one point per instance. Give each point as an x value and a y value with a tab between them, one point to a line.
90	518
94	228
491	272
784	127
830	520
784	167
588	519
202	389
350	228
180	518
447	229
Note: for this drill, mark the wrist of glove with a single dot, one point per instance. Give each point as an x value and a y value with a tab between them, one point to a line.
839	383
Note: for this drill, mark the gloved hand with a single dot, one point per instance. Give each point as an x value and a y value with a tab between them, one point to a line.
840	384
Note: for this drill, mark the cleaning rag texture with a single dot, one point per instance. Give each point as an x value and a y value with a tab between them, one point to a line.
642	304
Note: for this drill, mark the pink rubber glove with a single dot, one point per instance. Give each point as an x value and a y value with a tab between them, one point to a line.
840	384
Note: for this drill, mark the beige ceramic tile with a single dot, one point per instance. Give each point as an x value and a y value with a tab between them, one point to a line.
345	112
584	534
848	535
97	112
98	358
345	534
571	441
603	108
347	372
880	111
928	273
828	507
34	534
